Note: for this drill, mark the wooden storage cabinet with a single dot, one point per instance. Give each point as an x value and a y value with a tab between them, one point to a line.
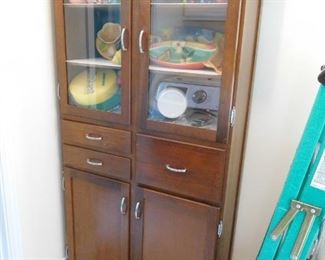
153	100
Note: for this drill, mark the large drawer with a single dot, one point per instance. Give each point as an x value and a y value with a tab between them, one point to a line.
97	162
96	137
189	170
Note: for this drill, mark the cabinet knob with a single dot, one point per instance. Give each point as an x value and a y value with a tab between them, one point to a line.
137	211
94	162
141	34
94	137
175	170
123	206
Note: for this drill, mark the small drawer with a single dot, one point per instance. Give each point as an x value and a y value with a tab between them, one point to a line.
96	137
97	162
183	169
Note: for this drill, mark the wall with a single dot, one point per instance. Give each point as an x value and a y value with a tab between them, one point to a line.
290	53
29	144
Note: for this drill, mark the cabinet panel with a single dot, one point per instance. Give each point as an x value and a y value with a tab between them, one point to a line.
97	162
187	63
97	229
95	59
188	170
96	137
172	228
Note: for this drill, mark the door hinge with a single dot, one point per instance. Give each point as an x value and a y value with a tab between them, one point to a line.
220	229
58	94
66	253
233	117
63	183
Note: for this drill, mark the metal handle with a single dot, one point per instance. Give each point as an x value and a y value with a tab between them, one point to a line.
93	137
137	211
123	40
176	170
94	162
140	41
123	206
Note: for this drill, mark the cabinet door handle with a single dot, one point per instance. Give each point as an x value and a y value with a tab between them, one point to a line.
137	211
175	170
123	46
94	162
123	206
94	137
141	41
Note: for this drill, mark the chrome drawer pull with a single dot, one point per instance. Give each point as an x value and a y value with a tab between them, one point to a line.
93	137
137	212
140	41
176	170
123	40
123	206
94	162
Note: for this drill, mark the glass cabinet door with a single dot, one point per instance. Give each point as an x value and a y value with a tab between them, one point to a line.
185	47
97	59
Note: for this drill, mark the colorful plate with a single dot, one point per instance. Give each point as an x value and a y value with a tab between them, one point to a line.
181	54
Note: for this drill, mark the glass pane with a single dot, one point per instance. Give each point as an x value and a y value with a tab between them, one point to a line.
186	57
93	42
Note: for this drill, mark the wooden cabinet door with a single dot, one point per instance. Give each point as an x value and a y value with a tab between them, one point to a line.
185	52
94	57
167	227
97	217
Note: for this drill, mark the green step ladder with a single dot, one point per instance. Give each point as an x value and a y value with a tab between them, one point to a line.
296	226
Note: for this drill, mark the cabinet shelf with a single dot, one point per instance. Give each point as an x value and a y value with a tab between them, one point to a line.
200	11
92	5
192	5
95	62
203	73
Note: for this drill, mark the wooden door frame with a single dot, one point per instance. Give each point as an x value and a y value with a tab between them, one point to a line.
245	67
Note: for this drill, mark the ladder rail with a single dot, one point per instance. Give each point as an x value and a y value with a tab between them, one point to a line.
304	228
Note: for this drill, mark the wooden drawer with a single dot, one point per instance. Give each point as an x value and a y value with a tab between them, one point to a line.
183	169
97	162
96	137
